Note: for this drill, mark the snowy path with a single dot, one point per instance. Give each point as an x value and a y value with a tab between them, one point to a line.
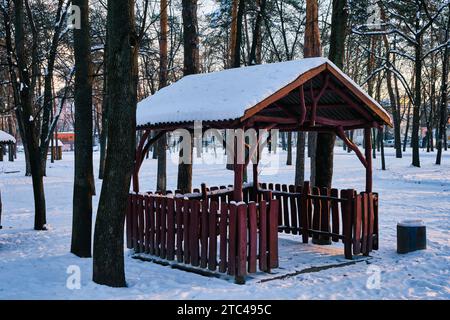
33	264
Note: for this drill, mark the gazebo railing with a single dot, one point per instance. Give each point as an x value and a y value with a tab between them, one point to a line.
326	215
206	229
231	238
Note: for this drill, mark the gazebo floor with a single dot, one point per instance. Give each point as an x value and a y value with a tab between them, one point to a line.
295	257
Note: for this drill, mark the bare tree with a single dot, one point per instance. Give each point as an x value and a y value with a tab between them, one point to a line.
84	186
191	66
108	264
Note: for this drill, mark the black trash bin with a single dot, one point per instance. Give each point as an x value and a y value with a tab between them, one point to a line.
411	236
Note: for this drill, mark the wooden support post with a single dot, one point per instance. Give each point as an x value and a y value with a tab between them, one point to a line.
255	172
368	146
238	195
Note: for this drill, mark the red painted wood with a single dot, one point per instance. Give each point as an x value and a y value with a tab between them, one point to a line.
158	201
129	221
286	212
170	229
163	229
304	211
242	240
151	214
232	239
335	215
371	222
179	219
347	221
280	199
223	236
293	210
141	225
194	233
365	224
204	234
357	225
375	223
186	231
135	223
253	236
316	214
325	213
273	233
263	263
146	224
212	257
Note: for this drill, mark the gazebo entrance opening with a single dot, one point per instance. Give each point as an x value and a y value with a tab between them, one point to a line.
235	229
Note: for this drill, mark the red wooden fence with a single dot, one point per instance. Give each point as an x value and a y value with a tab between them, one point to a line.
327	215
233	238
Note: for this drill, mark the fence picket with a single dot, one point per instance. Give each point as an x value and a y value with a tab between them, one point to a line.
179	219
252	237
293	203
223	237
186	231
335	215
285	205
194	233
357	226
212	258
242	242
204	233
170	229
232	226
263	265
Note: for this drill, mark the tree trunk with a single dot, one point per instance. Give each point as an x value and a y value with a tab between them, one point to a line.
417	102
28	120
162	142
442	137
326	141
254	57
108	264
84	185
237	14
104	132
191	66
300	159
408	121
289	149
312	48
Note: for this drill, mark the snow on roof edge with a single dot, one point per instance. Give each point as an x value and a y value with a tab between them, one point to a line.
6	137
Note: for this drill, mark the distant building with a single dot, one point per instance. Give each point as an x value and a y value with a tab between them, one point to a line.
67	138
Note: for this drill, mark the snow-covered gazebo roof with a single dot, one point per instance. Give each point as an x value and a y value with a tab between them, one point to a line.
6	138
272	92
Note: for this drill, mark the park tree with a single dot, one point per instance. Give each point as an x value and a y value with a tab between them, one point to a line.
108	262
191	66
84	186
326	141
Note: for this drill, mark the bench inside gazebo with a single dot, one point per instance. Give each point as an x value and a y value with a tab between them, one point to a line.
234	229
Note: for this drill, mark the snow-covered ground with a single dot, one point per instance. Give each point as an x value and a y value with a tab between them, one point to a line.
34	265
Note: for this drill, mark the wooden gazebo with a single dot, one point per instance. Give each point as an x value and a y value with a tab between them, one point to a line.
306	95
6	140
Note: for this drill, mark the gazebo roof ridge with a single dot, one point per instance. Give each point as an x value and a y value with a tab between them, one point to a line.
6	138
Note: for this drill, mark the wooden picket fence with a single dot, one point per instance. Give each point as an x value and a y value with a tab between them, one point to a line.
325	215
206	233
